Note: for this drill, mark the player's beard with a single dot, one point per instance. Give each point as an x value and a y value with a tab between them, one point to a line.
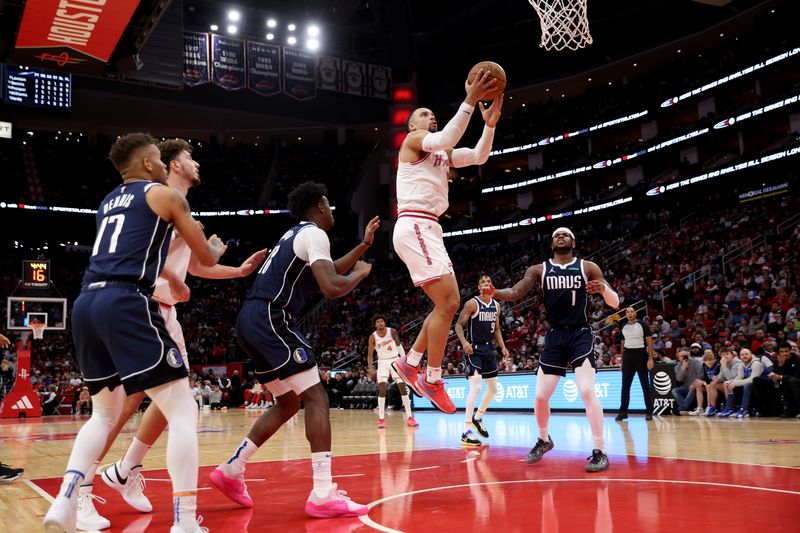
562	249
433	128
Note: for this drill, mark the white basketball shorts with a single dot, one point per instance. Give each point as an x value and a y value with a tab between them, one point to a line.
385	370
420	245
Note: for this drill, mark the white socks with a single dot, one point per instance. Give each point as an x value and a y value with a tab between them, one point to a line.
134	456
414	357
321	467
407	403
475	384
585	378
239	460
382	406
434	374
86	486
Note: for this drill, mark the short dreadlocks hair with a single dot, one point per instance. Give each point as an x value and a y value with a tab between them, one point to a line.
123	149
304	197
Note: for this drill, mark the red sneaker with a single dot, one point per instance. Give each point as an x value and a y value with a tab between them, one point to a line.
232	487
410	422
436	394
409	374
381	423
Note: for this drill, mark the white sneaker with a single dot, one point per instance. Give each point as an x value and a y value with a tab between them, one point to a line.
131	488
88	519
176	528
61	516
697	412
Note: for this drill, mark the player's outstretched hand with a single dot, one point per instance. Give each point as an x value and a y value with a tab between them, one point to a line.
481	85
491	114
369	231
363	268
4	342
488	290
252	263
216	246
595	287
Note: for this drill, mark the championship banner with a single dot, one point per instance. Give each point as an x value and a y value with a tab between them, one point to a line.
355	77
329	73
299	69
662	380
380	81
196	66
228	63
263	68
72	36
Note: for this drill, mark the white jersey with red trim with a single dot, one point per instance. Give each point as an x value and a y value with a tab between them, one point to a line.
177	262
385	346
422	185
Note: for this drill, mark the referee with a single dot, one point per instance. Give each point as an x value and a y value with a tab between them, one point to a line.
637	357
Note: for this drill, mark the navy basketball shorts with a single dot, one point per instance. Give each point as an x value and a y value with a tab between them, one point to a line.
564	348
271	339
483	361
120	337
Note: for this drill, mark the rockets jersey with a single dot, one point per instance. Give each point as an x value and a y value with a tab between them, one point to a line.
178	262
422	185
565	298
285	277
483	321
385	346
132	241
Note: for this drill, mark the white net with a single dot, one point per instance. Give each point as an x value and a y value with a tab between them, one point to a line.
38	329
564	24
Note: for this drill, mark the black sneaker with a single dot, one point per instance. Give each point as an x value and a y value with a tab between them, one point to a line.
621	416
9	474
478	424
649	416
468	440
597	462
539	449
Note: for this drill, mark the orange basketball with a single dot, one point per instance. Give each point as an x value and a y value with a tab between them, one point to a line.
495	71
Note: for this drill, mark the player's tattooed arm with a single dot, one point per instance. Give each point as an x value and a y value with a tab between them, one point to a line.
597	284
528	282
469	308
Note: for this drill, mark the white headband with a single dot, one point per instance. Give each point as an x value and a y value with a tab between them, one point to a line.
565	230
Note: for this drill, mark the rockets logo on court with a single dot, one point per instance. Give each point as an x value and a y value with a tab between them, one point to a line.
300	355
174	358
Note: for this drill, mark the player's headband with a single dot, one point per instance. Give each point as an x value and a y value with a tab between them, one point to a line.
565	230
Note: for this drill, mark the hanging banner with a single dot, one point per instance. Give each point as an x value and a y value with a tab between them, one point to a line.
329	73
380	81
263	68
299	70
196	67
355	77
228	62
72	36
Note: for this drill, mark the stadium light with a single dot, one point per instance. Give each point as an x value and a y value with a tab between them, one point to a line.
214	27
291	40
313	30
292	27
232	29
271	23
234	15
270	36
312	44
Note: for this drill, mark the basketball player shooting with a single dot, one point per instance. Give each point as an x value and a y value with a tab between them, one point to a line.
424	161
566	282
386	343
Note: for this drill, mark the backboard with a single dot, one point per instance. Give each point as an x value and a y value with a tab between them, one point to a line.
50	311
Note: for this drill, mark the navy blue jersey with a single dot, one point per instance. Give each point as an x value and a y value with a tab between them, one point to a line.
565	298
483	322
132	241
284	278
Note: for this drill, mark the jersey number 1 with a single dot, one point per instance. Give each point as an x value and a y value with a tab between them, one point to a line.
118	221
573	298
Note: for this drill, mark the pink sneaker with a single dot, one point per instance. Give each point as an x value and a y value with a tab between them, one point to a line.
408	373
410	422
436	394
232	487
381	423
335	503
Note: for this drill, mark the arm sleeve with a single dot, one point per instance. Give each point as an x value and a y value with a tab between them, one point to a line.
311	245
450	134
611	297
464	157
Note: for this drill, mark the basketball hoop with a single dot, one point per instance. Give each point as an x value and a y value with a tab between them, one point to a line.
38	329
564	24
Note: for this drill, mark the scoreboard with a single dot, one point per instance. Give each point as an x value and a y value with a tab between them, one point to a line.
30	87
35	274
